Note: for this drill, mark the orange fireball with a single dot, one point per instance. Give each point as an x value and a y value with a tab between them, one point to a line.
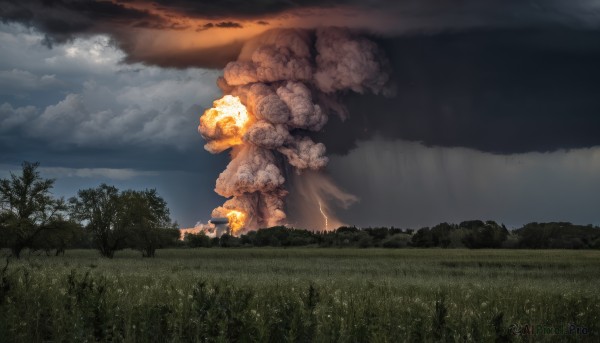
224	124
237	220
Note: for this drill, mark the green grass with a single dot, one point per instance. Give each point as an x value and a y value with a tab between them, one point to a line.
323	295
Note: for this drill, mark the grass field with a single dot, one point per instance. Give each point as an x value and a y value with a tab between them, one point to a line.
322	295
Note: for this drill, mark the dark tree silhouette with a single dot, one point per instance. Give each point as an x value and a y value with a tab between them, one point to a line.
27	208
99	209
146	215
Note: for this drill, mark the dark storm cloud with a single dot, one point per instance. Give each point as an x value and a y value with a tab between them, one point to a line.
470	12
60	20
499	76
213	57
93	105
229	24
223	25
500	91
238	8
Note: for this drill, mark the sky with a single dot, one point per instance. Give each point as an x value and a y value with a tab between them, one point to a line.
494	114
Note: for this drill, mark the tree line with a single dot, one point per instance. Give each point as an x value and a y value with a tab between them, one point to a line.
103	217
107	219
474	234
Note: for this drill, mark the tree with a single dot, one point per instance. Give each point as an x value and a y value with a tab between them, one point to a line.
60	235
99	209
136	219
440	234
423	238
229	241
146	215
483	235
558	235
27	208
197	240
378	233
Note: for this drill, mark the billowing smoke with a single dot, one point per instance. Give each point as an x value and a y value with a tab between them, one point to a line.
279	90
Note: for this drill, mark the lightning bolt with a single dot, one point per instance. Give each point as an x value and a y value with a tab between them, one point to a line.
323	213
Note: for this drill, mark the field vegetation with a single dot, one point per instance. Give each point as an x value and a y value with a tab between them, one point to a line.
303	295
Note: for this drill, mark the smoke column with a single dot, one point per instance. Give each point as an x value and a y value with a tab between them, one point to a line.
283	86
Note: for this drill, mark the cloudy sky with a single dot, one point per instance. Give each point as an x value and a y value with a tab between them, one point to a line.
496	113
88	118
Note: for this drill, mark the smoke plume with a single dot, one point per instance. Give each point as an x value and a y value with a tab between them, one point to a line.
273	98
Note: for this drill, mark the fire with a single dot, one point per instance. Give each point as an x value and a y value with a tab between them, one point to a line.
229	106
224	125
192	230
207	229
237	220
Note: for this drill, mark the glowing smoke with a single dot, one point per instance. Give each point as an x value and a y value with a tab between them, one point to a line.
275	93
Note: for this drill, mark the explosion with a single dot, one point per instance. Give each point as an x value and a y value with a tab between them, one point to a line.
224	125
237	219
281	88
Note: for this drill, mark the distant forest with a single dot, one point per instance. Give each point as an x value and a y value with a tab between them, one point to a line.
474	234
107	219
